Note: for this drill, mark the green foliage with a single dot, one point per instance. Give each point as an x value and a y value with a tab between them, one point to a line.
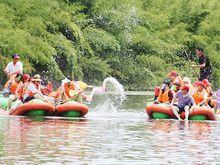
101	42
137	42
94	69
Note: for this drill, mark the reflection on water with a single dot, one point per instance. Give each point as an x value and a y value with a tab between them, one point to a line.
121	138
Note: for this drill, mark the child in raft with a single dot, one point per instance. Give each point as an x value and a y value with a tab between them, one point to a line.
185	102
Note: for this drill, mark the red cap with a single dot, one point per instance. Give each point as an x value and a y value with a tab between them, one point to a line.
206	82
26	77
201	84
173	73
196	83
186	88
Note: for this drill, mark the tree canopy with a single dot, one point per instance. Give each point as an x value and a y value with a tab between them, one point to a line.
137	42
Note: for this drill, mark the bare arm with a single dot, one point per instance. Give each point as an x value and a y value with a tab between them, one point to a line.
199	66
173	101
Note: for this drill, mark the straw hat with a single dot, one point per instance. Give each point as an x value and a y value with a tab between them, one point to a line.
36	78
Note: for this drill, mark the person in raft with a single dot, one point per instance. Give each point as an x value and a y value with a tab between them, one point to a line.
14	89
212	103
32	91
175	78
68	91
71	90
13	68
200	95
187	81
166	94
204	65
25	82
185	102
45	87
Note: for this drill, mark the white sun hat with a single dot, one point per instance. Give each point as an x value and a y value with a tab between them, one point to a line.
187	79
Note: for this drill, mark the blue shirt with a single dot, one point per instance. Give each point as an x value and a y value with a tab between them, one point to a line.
184	100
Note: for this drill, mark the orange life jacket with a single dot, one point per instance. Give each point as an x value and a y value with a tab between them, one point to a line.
164	97
198	97
68	87
12	86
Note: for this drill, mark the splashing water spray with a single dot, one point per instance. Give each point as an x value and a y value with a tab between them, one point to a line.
108	97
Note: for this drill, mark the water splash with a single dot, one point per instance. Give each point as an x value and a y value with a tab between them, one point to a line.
131	20
108	97
111	84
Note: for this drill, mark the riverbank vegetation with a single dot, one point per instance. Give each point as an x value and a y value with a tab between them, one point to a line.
137	42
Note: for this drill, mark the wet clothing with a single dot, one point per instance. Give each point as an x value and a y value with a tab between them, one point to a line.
205	73
184	100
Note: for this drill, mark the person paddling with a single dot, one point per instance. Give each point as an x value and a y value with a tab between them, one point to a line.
204	65
13	68
185	102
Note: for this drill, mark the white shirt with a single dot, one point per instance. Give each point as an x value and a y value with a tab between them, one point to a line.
31	88
11	68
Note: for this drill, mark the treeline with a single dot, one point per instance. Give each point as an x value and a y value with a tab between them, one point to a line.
137	42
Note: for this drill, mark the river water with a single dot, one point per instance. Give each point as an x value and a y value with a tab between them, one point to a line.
109	135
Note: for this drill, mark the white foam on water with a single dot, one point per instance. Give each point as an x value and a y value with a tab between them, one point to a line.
109	97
